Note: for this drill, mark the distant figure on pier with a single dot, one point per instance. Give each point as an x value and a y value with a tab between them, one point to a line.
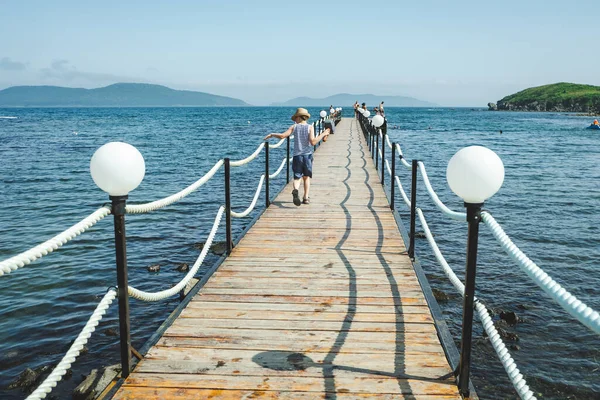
364	106
356	106
381	110
304	140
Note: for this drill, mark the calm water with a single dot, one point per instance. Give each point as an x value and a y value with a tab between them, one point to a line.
548	205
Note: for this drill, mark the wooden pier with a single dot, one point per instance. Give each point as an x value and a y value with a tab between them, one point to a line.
316	302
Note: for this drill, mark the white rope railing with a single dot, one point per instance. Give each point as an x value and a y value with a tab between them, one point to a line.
27	257
69	358
276	173
452	214
156	296
158	204
506	359
402	192
253	204
570	303
387	140
251	157
404	162
276	145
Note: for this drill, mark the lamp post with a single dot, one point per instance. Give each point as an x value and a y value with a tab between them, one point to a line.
377	121
118	168
475	174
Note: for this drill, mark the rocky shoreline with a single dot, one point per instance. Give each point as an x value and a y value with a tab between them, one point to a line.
581	109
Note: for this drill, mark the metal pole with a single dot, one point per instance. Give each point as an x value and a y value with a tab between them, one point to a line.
382	158
287	161
267	201
473	218
376	151
413	209
392	177
228	236
118	211
314	130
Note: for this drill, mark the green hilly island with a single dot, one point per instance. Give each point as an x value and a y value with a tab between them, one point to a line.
117	95
557	97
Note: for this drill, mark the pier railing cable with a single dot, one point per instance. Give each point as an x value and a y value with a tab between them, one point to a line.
27	257
163	294
69	358
576	308
57	241
253	203
498	345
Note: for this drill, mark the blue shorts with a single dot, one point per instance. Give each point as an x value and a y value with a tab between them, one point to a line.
302	166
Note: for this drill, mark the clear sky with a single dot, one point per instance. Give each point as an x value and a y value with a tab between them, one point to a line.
454	53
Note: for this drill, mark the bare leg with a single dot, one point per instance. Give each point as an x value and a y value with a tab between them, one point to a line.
306	186
296	184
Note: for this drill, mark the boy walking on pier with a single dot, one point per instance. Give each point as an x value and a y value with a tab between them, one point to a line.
304	140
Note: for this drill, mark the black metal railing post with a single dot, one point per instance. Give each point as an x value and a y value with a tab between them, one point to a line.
376	150
287	161
118	211
314	130
473	218
393	176
413	209
267	200
228	235
382	158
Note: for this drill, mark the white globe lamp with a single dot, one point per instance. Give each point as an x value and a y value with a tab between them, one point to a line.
475	174
331	111
323	114
117	168
378	121
367	113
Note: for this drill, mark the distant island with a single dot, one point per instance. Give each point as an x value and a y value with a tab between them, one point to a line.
557	97
117	95
346	99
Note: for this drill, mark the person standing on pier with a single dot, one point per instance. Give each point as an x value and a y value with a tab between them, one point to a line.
381	111
304	140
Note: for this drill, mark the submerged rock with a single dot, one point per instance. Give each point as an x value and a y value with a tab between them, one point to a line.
510	317
183	267
96	382
153	268
218	248
111	332
28	380
440	296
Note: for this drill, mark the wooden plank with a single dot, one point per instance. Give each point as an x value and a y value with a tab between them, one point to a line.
347	382
315	302
154	393
303	316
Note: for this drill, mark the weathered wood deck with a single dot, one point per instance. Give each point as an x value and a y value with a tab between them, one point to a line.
316	301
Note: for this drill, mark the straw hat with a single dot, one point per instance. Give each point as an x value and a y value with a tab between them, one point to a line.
299	113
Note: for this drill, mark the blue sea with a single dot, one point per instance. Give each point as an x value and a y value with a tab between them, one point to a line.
548	204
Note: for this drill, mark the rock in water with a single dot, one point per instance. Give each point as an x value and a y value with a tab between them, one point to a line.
510	317
492	107
30	378
440	296
219	248
154	268
183	267
111	332
96	382
26	380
